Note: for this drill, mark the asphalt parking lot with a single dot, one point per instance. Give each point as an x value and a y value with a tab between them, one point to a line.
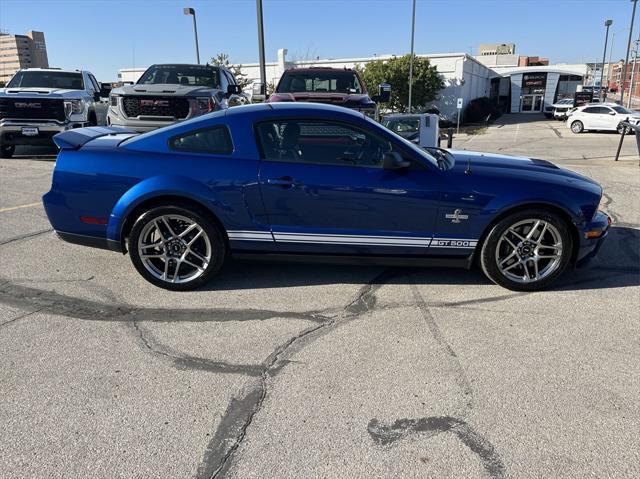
305	371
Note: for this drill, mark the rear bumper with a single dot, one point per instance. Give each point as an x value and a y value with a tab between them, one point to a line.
91	241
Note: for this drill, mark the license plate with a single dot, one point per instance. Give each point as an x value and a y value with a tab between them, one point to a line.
30	131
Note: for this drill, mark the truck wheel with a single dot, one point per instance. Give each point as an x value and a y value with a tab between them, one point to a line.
527	251
92	119
176	247
6	151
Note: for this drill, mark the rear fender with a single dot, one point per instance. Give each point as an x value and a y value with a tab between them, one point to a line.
156	187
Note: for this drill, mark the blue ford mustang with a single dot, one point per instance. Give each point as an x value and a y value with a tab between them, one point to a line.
302	180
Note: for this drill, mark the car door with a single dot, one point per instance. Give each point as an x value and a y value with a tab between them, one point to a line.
325	190
609	119
590	118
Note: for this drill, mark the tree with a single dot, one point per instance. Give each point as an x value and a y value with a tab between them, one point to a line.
222	60
395	71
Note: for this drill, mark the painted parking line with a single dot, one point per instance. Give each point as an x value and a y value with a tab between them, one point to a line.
11	208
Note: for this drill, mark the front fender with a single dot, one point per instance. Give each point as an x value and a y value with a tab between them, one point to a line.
156	187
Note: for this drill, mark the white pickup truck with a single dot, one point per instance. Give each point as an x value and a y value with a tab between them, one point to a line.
37	103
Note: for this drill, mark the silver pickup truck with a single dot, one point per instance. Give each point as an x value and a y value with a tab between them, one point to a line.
168	93
37	103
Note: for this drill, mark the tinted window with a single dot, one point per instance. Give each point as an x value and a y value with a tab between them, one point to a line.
211	140
192	75
623	110
327	81
322	143
47	79
591	109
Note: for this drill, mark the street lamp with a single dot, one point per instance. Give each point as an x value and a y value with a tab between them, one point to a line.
191	11
626	60
413	29
607	24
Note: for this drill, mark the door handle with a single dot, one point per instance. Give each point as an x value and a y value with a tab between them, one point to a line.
286	181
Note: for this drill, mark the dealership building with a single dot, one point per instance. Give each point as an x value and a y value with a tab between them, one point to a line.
519	84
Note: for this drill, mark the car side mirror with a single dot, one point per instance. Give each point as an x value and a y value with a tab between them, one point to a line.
233	90
384	93
612	113
393	161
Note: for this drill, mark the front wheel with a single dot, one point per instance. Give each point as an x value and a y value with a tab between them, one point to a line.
527	251
176	248
577	127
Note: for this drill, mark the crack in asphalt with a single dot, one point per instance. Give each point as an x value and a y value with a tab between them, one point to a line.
241	412
25	236
386	434
17	318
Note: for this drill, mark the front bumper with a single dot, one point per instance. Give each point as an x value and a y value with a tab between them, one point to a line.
11	131
590	246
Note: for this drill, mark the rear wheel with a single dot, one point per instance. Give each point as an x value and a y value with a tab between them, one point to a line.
577	127
6	151
176	248
527	251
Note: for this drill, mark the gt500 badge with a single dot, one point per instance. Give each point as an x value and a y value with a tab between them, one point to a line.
453	243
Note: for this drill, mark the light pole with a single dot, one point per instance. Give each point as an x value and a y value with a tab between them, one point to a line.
626	60
191	11
633	72
413	30
607	24
263	68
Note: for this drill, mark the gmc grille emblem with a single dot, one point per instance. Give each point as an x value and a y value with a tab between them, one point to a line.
24	104
154	102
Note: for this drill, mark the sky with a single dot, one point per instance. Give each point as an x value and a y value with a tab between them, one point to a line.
103	36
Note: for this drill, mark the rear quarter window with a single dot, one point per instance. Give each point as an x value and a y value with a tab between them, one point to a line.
214	140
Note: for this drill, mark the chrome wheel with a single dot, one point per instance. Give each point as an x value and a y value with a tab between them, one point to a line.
529	251
174	248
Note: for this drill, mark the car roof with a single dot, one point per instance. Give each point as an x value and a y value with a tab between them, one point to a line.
315	69
184	65
50	70
299	108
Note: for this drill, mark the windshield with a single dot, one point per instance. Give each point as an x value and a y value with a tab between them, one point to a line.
403	126
191	75
47	79
409	145
328	81
623	110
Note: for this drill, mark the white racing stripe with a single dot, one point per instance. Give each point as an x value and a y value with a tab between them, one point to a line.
354	240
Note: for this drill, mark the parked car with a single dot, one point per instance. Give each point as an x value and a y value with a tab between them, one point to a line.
37	103
282	180
168	93
601	117
335	86
561	107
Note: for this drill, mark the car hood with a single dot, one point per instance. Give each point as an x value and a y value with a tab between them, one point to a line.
164	89
505	165
41	93
342	99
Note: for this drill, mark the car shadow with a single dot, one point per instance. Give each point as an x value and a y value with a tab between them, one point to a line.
617	266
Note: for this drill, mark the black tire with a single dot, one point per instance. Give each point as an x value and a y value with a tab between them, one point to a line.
493	246
7	151
622	128
93	121
577	127
145	225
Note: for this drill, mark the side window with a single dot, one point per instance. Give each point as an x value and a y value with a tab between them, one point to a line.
215	140
604	110
321	143
224	82
591	109
94	82
232	80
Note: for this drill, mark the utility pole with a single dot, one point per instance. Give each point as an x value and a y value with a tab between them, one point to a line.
413	30
633	72
613	37
263	68
626	60
607	24
191	11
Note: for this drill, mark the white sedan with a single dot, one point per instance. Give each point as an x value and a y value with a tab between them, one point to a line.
605	117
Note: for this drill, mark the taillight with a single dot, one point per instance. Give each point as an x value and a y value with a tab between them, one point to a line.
281	97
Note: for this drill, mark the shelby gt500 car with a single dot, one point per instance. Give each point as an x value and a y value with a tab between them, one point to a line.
305	180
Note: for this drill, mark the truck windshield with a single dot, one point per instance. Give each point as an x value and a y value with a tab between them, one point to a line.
320	81
191	75
47	79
